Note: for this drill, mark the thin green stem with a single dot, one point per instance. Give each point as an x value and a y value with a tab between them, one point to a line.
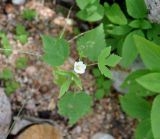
64	28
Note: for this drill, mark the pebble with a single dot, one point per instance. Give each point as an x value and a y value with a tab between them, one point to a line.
102	136
18	2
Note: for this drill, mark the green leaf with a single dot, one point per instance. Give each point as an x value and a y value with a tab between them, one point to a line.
6	74
56	50
21	63
143	130
135	106
136	8
92	12
29	14
149	52
64	87
11	87
6	45
74	106
21	34
113	60
102	62
154	33
115	14
132	86
129	50
141	24
104	59
61	76
90	42
150	81
155	117
100	94
118	30
83	3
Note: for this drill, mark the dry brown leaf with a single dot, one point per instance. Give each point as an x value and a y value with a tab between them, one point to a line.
41	131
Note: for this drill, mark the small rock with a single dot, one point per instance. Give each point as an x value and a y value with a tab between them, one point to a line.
102	136
18	2
5	114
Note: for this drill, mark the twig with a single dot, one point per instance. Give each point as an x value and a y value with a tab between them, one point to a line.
79	35
64	28
18	115
93	64
23	52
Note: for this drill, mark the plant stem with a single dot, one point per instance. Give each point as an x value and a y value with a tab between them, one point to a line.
64	28
93	64
23	52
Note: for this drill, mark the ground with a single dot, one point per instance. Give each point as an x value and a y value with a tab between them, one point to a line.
37	89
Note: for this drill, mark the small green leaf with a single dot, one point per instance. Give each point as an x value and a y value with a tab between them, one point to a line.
21	63
135	106
74	106
11	87
29	14
149	52
56	50
6	44
92	12
143	130
136	8
102	62
118	30
90	42
141	24
113	60
155	120
100	94
129	50
115	14
64	87
6	74
83	3
150	81
154	34
21	34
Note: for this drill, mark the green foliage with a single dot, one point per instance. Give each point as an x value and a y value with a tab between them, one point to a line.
6	74
65	79
5	44
150	81
153	34
118	30
93	11
21	63
155	120
29	14
105	59
9	82
132	86
135	106
21	34
115	14
143	130
129	50
11	87
83	3
149	52
141	24
56	50
75	105
136	8
102	85
89	42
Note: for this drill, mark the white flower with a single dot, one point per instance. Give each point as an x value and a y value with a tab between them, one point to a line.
79	67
